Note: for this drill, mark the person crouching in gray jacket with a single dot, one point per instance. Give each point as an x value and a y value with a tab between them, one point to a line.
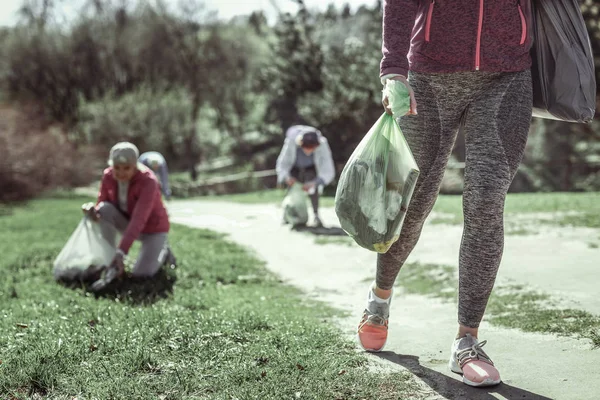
306	158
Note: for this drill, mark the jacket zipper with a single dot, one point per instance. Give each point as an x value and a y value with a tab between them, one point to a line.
479	28
523	25
428	22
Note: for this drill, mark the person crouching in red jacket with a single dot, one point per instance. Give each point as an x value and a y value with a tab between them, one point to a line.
130	202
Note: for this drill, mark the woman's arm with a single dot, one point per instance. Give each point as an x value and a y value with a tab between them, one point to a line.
141	213
398	22
286	160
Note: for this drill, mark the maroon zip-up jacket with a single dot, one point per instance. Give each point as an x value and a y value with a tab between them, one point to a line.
440	36
144	204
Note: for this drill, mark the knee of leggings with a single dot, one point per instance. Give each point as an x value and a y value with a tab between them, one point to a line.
484	201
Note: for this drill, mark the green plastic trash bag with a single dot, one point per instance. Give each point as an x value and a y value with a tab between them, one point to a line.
295	210
85	254
378	181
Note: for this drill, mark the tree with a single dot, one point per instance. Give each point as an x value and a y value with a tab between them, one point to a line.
296	66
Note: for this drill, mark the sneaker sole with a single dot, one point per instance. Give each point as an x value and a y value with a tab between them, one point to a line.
487	382
453	366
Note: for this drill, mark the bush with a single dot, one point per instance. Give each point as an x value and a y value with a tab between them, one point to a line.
158	121
37	158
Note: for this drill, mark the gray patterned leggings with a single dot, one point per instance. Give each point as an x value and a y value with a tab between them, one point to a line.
154	245
495	111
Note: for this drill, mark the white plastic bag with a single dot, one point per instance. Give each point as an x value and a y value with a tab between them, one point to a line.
85	253
295	210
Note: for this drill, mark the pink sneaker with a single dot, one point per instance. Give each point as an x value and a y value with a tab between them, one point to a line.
469	360
373	327
372	332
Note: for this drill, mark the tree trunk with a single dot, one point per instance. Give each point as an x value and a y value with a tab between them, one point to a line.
193	153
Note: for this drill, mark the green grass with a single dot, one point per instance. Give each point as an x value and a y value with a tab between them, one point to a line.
226	329
262	197
588	219
552	202
449	207
429	280
520	203
511	306
587	206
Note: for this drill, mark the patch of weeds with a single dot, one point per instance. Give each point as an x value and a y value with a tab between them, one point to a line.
429	279
595	336
532	312
340	240
584	219
519	230
446	219
510	305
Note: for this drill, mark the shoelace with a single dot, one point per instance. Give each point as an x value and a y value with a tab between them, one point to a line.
473	353
374	319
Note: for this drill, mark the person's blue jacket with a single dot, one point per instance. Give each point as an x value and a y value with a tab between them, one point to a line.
157	163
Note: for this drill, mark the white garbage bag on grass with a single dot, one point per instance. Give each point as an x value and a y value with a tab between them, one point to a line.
85	253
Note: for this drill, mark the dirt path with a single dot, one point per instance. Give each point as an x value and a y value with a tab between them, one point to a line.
533	366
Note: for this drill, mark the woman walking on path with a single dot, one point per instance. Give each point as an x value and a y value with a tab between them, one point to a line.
466	63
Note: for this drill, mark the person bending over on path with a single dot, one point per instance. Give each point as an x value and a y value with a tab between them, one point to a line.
306	158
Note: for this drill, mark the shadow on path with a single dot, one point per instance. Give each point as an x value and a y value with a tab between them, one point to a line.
454	389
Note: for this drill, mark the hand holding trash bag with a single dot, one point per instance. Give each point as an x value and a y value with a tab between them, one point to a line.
118	263
309	186
295	211
89	210
413	102
290	181
114	271
378	180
